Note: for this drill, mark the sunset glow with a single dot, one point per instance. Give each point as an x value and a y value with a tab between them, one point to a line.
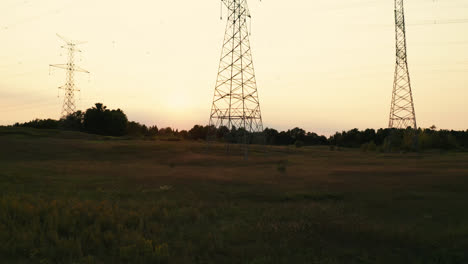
322	66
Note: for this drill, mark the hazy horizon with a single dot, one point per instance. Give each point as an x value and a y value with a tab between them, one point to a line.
323	66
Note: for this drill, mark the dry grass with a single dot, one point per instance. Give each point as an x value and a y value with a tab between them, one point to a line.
188	202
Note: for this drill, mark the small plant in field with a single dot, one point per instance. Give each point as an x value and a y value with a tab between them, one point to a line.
165	188
364	147
371	146
282	166
261	260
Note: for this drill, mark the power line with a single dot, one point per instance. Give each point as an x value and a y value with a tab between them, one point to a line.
440	22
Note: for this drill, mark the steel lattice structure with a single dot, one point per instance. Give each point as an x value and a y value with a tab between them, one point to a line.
402	114
235	101
69	106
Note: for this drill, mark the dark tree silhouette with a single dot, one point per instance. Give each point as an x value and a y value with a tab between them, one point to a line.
102	121
73	121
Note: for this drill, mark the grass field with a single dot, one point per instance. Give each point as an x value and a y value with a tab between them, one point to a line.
68	197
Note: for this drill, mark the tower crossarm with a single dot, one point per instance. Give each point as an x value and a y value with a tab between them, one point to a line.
238	7
70	42
79	69
69	67
62	66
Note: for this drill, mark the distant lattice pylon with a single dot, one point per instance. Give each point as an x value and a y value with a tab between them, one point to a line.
402	114
69	106
235	101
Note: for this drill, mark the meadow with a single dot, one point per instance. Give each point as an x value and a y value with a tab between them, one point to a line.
69	197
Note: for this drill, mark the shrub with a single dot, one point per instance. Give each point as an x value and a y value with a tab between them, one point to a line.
370	146
282	166
40	124
299	144
102	121
73	121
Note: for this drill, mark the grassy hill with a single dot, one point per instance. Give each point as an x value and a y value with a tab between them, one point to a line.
69	197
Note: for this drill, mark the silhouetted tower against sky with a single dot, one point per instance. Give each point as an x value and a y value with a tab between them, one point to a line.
69	106
235	102
402	113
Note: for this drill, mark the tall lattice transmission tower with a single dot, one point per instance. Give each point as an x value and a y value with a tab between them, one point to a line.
402	114
69	106
235	101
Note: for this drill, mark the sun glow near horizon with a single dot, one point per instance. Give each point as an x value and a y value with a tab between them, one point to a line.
322	71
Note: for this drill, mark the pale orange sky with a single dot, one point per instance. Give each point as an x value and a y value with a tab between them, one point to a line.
321	65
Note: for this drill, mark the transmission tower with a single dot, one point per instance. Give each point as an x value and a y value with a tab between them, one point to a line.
402	114
69	106
235	101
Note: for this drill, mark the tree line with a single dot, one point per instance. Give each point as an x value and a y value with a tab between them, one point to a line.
391	140
103	121
96	120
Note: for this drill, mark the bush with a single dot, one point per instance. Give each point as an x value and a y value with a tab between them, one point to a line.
282	166
102	121
371	146
40	124
73	121
299	144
